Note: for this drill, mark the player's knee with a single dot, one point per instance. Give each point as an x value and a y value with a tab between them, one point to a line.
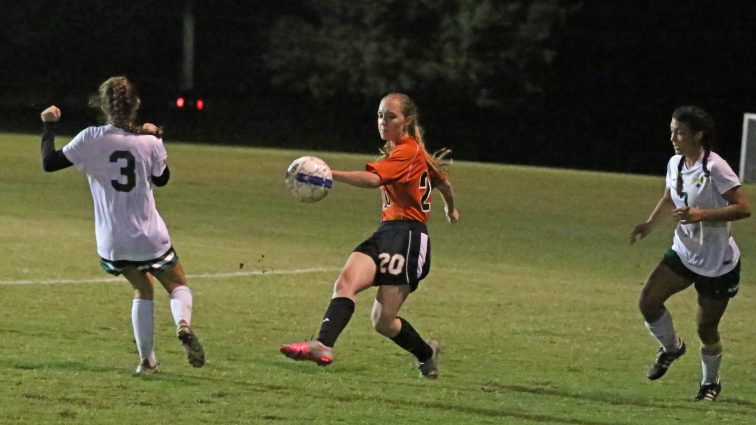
650	309
172	278
650	305
708	332
172	286
711	348
344	286
144	292
383	326
380	323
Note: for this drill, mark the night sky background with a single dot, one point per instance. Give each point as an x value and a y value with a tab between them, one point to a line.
604	100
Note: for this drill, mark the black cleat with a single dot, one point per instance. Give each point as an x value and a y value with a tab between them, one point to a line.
195	355
429	368
708	392
663	360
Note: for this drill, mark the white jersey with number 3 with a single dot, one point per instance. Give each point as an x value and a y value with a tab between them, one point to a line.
119	165
706	248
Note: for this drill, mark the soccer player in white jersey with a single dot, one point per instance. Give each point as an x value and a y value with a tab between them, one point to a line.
702	195
122	162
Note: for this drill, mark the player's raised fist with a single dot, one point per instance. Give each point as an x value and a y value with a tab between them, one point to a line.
51	114
149	127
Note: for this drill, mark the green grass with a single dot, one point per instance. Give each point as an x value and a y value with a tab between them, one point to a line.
533	295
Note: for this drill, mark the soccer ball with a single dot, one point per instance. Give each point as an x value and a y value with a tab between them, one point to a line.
308	179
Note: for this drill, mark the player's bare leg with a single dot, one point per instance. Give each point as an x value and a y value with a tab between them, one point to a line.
386	321
357	275
661	284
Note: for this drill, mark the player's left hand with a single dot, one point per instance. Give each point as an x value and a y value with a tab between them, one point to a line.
451	216
149	127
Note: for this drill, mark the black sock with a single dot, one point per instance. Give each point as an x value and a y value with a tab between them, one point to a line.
335	320
410	340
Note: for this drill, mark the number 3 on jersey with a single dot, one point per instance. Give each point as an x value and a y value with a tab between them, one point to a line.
127	170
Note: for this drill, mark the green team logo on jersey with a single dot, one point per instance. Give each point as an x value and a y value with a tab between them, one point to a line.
699	180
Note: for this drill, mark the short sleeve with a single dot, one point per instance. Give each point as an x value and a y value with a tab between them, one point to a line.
159	157
76	150
395	166
723	177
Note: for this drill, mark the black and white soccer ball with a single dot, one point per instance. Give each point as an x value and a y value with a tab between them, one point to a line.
309	179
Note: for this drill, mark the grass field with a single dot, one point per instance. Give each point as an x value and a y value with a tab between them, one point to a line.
532	294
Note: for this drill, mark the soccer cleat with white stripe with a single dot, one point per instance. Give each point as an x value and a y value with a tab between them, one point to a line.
708	392
663	360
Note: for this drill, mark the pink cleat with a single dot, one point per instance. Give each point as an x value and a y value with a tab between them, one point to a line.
308	350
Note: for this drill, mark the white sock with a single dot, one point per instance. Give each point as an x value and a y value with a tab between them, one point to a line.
141	321
710	361
181	304
664	331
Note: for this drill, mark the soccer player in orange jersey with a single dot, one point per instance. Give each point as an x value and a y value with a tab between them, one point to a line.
397	256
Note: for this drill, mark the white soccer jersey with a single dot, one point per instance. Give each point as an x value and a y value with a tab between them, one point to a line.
706	248
119	165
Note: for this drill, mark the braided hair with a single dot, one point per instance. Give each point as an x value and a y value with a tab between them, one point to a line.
117	98
438	162
697	120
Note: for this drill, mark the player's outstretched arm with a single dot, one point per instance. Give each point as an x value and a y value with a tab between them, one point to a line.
357	178
52	160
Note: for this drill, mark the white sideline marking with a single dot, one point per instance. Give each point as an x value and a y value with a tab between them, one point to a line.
189	277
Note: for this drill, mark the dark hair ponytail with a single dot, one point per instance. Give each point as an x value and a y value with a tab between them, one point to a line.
697	120
117	98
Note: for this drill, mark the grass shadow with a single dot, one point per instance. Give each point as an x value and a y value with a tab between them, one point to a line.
62	365
614	399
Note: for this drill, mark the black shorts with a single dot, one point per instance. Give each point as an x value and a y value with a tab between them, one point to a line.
401	252
715	288
166	261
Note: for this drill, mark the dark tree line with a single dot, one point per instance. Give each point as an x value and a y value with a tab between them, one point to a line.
484	52
586	84
471	65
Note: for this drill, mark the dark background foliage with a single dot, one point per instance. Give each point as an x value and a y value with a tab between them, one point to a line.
562	83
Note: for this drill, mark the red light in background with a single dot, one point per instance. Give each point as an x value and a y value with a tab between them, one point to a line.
200	104
180	102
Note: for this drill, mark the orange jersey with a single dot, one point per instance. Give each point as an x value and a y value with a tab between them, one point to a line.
405	182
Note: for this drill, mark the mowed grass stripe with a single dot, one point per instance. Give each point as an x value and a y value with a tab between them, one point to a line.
199	276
